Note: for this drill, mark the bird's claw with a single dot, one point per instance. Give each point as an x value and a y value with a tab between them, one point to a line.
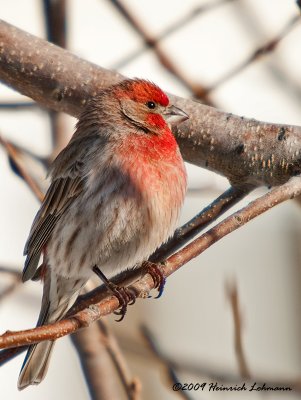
158	276
125	297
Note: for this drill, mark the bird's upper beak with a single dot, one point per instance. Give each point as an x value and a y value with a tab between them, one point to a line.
174	115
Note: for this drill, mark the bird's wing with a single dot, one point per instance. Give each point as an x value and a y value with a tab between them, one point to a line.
69	173
60	194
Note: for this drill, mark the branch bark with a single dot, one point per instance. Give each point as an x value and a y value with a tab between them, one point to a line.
97	364
96	308
199	222
243	150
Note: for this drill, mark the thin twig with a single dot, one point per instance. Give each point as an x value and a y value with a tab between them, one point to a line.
9	289
189	17
173	67
200	91
14	106
169	366
13	154
10	271
257	54
232	295
7	355
141	288
203	371
15	276
198	223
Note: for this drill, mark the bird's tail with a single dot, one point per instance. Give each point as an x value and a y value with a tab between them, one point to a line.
35	364
59	295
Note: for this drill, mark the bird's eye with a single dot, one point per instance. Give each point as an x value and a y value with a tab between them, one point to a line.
151	105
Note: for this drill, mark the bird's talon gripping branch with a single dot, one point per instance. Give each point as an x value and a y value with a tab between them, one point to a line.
124	295
158	277
161	288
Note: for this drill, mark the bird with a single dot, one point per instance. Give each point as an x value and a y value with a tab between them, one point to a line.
115	196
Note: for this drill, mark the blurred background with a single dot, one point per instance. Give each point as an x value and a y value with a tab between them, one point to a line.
241	56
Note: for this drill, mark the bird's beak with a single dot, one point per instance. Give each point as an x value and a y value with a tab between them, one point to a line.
174	115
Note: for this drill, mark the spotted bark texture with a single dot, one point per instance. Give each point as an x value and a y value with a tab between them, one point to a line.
246	151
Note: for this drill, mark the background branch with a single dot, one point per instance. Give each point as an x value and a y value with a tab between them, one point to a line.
14	155
232	295
15	280
167	62
96	360
183	21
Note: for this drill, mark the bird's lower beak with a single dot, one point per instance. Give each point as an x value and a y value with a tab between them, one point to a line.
174	115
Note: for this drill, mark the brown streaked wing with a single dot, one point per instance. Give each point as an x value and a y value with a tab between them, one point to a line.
59	196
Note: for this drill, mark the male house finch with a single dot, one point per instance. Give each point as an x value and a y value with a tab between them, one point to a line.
116	193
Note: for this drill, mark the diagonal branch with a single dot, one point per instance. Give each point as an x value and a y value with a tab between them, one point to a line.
261	51
198	223
15	277
171	66
170	370
175	26
96	309
13	154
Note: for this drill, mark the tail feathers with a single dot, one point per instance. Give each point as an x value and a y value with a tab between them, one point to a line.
35	364
59	295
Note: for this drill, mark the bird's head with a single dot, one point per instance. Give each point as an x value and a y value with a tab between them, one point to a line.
147	106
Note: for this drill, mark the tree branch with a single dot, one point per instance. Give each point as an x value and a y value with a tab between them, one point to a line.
261	51
198	223
15	277
13	154
96	308
132	385
167	62
170	370
232	296
97	366
155	354
173	27
245	151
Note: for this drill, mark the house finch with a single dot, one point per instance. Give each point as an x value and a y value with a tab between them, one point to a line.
116	193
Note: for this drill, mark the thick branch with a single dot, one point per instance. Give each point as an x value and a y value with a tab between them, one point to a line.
245	151
142	287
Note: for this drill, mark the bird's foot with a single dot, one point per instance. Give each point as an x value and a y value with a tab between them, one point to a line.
124	295
157	274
